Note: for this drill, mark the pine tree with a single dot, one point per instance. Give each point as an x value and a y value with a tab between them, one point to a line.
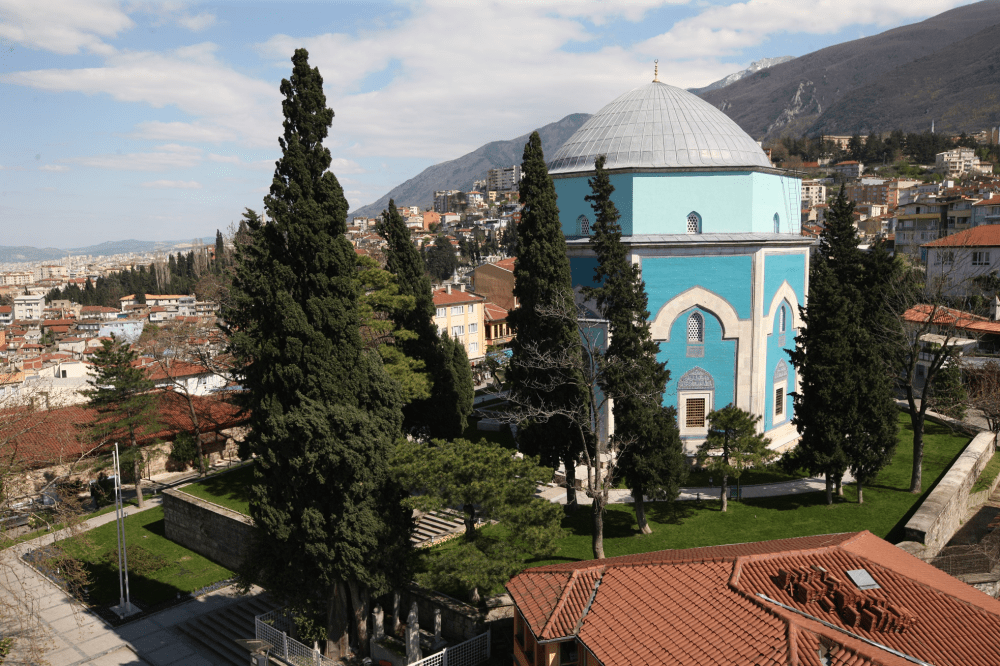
323	412
733	445
121	393
653	457
541	280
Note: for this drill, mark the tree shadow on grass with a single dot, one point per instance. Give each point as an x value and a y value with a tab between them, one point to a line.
794	502
674	513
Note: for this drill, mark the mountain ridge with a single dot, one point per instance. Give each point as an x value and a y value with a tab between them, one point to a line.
459	173
790	98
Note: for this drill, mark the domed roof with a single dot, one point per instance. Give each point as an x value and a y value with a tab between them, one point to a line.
658	126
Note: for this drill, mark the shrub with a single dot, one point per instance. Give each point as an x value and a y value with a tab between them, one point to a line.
183	451
102	491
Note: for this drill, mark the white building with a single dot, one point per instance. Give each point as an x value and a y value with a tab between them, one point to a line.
813	193
504	179
29	307
958	161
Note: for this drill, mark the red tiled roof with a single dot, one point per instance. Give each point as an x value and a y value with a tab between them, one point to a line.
950	317
507	264
46	437
993	201
96	308
983	236
493	312
704	606
442	297
5	309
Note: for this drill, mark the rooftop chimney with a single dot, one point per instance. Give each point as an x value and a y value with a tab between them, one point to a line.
461	287
447	288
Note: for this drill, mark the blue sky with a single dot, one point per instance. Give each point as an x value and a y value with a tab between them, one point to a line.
159	121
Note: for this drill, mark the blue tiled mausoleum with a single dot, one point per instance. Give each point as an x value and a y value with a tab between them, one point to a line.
715	230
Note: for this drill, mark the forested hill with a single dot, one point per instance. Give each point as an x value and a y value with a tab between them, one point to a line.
459	174
944	68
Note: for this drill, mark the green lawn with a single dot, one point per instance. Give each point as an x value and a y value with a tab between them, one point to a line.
770	474
501	437
228	489
989	473
888	505
159	569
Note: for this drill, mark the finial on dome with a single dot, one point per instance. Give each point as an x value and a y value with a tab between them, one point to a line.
656	71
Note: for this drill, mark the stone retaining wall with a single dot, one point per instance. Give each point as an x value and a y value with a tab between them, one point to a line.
941	514
220	534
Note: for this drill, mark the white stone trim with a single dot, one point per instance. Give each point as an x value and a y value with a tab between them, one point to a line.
732	328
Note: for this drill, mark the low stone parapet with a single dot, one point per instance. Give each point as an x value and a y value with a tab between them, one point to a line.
944	509
220	534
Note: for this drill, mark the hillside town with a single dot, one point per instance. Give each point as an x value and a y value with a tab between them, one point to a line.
654	388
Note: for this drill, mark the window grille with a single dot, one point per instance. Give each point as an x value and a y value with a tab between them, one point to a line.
696	328
583	225
694	223
694	413
779	401
781	320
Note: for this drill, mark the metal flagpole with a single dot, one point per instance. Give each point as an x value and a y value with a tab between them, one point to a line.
125	607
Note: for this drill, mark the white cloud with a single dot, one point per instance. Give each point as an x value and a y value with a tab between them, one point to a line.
176	12
197	22
196	132
340	165
173	184
721	30
222	101
53	167
170	156
63	26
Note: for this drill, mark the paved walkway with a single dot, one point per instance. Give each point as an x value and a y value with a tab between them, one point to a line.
74	636
557	494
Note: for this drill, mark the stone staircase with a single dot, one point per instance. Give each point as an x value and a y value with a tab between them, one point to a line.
436	524
214	634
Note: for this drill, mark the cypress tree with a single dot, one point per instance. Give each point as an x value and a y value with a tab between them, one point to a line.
652	458
844	408
220	251
323	413
541	280
446	413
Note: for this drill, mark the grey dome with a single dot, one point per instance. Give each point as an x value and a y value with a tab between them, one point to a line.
658	126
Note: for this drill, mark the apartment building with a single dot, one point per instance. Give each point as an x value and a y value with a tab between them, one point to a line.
461	314
918	223
986	211
958	161
849	169
29	306
813	193
881	191
503	179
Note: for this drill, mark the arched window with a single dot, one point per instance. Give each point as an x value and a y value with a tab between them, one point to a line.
777	223
696	328
583	225
694	223
781	320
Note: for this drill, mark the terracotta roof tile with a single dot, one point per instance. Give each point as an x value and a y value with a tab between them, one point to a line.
983	236
701	606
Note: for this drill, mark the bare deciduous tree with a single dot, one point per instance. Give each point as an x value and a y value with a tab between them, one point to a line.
32	499
585	366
